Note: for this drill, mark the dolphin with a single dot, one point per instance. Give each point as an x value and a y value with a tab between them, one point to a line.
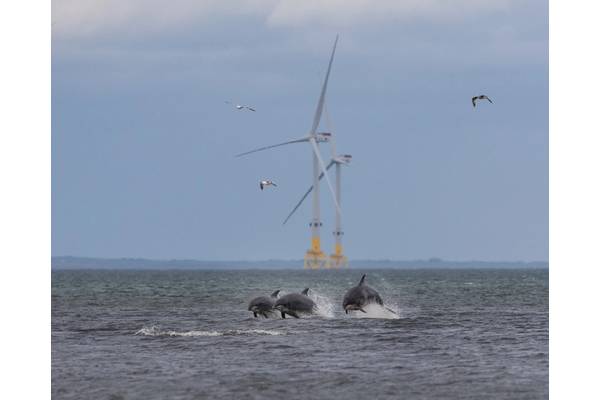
295	303
361	295
263	305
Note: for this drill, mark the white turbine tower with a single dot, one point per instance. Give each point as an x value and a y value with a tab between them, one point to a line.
337	259
314	257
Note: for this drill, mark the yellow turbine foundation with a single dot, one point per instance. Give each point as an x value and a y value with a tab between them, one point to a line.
315	258
338	259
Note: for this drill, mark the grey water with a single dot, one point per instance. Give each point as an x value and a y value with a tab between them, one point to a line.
459	334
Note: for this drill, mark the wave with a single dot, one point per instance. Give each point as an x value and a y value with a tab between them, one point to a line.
155	331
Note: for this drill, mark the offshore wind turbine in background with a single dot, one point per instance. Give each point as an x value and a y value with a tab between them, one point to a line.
337	259
314	257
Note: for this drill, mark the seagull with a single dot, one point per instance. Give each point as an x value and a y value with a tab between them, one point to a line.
266	183
241	107
481	97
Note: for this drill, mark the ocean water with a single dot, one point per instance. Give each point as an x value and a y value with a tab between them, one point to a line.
458	334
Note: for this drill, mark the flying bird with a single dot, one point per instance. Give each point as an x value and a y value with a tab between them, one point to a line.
266	183
241	107
481	97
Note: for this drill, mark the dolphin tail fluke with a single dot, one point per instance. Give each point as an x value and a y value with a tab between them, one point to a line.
305	292
275	293
362	280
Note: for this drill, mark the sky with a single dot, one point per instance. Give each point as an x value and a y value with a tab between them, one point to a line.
143	143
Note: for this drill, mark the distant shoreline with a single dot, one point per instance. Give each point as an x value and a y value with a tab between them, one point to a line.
72	263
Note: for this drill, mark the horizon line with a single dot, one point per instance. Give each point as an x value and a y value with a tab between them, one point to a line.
430	259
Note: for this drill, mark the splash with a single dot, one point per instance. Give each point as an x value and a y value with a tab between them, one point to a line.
155	331
374	310
325	307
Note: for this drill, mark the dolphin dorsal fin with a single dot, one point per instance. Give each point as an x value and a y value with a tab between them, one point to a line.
362	280
305	292
275	293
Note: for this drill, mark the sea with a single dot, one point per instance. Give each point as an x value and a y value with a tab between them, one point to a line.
181	334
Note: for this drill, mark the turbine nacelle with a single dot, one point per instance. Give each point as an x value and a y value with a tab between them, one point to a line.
343	159
323	137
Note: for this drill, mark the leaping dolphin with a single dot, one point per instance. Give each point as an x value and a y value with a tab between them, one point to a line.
263	305
295	303
361	295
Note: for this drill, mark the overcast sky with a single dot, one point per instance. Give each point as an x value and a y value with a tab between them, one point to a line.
143	143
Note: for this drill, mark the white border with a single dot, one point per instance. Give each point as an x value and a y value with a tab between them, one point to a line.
574	199
25	199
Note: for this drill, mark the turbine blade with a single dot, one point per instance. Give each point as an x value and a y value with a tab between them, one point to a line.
270	147
310	189
327	169
324	169
298	205
319	110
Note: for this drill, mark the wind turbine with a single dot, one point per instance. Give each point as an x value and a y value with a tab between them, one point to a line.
314	257
337	259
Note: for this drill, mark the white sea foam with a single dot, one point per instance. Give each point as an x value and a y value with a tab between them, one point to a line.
259	332
154	331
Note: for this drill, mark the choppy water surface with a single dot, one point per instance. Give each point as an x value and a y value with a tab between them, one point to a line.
468	334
